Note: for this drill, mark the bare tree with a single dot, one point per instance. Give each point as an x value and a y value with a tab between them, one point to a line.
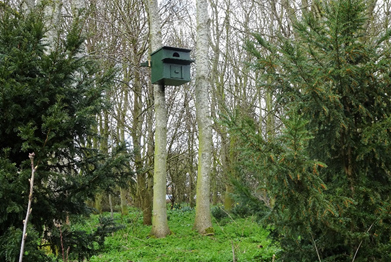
203	221
159	212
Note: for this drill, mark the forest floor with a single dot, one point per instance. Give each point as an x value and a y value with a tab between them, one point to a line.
235	239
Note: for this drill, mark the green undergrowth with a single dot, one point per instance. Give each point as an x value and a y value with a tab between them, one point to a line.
241	238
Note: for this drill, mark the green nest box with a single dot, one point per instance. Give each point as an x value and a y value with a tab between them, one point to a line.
170	66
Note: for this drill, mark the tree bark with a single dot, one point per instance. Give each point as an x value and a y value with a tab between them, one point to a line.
30	4
54	21
203	220
121	130
159	212
147	216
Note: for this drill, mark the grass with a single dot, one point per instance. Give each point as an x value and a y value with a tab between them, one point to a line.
241	237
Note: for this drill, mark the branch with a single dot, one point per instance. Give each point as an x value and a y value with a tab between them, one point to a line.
233	252
29	209
358	248
316	248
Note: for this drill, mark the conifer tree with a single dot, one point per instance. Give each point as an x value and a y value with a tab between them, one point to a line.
332	184
48	102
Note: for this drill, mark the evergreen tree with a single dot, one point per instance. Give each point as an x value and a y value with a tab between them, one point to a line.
334	80
48	103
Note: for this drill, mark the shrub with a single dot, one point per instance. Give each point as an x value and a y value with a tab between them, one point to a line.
219	213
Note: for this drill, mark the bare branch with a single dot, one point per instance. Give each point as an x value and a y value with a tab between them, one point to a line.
29	209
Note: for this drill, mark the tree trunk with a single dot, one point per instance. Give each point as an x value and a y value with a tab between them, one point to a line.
142	183
159	213
53	13
124	203
30	4
230	162
203	221
147	214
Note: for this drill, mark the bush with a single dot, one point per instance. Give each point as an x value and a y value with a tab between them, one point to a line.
242	210
219	213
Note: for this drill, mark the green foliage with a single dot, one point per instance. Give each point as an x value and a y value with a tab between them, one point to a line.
219	213
10	243
291	178
243	210
249	241
49	99
326	176
80	244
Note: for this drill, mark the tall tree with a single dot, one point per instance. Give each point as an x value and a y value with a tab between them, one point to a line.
159	212
48	102
203	221
335	81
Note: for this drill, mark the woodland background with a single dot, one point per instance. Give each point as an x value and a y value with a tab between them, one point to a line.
298	95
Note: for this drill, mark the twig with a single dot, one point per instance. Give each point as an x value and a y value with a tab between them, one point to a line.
316	248
68	253
232	219
355	254
29	209
62	244
232	243
233	252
